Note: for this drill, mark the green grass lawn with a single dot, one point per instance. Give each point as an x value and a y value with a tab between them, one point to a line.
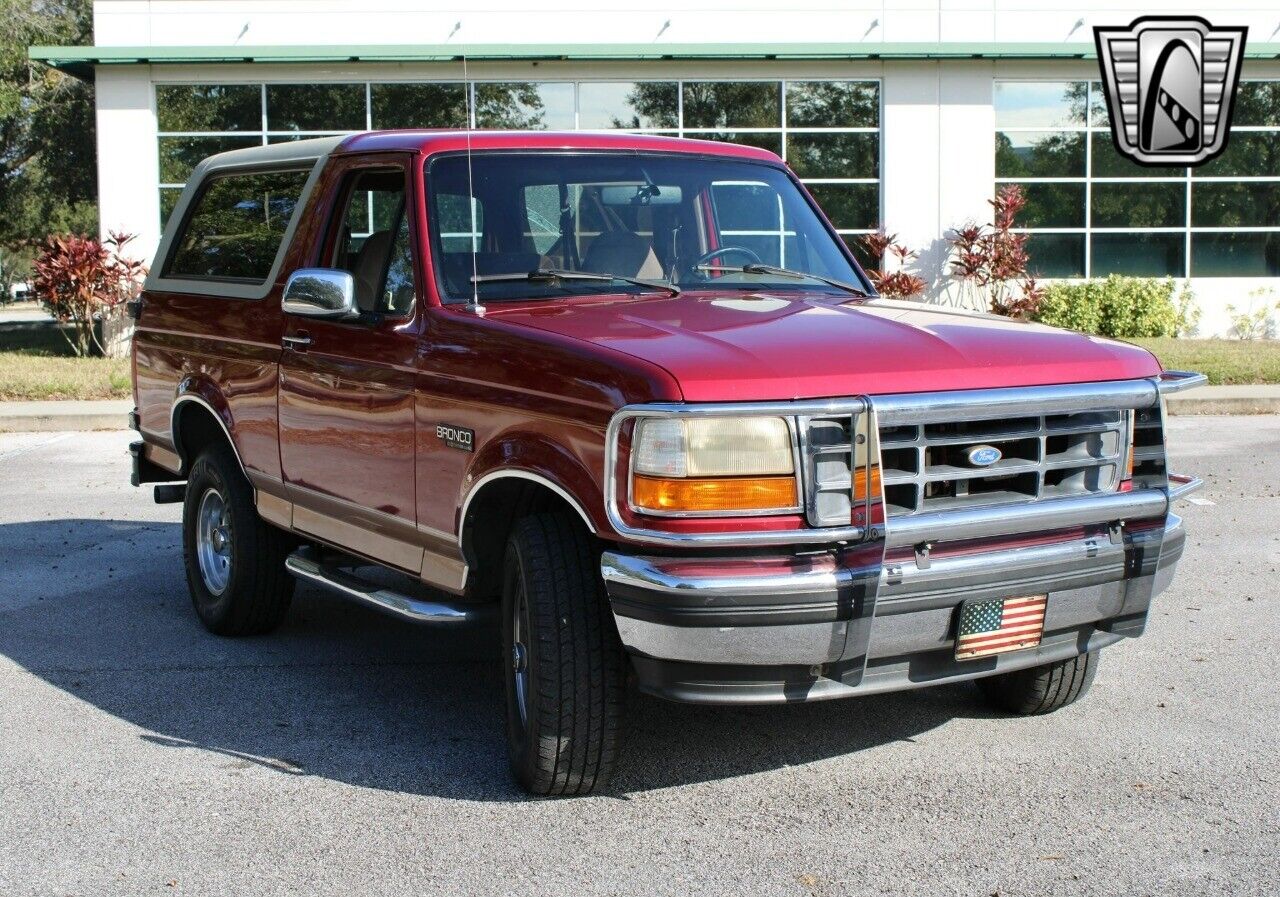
1225	361
37	363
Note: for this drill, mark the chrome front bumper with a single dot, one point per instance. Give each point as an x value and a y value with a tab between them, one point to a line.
831	623
829	611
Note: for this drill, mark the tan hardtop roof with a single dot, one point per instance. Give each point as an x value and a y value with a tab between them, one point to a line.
445	140
308	150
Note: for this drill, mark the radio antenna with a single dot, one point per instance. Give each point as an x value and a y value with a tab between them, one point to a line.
474	305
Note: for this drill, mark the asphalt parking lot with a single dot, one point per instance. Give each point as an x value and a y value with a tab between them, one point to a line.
348	754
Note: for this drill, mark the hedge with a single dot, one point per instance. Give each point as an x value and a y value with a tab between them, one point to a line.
1124	307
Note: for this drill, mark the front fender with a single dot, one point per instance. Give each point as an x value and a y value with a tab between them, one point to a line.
545	458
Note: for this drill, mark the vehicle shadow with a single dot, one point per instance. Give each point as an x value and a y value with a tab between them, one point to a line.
99	609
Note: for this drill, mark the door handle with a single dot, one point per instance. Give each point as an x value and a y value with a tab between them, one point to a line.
299	342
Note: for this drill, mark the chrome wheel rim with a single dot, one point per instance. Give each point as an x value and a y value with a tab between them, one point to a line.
519	659
213	541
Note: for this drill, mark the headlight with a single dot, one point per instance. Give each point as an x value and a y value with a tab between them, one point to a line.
709	465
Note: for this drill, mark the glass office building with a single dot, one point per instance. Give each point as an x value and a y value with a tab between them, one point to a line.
905	115
829	131
1093	212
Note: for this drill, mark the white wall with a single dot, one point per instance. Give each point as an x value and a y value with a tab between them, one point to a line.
937	156
1214	294
213	22
937	164
128	157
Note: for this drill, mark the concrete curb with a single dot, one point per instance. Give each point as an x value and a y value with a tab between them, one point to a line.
37	417
31	417
1227	400
1189	407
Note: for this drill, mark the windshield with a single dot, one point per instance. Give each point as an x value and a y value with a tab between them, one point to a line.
689	221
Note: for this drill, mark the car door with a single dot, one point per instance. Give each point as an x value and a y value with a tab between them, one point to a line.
346	399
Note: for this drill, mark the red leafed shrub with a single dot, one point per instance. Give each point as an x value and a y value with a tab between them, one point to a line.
78	279
899	284
992	259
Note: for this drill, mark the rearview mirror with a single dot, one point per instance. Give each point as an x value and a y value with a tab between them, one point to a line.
640	195
321	293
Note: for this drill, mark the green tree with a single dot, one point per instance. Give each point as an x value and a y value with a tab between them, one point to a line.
15	268
48	172
732	104
514	106
824	104
652	104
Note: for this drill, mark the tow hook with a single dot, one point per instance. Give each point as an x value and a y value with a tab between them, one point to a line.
1116	531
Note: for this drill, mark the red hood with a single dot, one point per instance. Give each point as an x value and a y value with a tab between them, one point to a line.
777	346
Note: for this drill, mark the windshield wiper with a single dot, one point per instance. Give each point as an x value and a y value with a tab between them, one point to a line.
561	274
756	268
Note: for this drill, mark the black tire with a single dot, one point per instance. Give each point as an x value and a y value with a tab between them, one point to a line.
258	588
566	742
1041	689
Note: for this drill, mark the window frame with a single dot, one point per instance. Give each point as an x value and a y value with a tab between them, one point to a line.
336	210
224	287
442	295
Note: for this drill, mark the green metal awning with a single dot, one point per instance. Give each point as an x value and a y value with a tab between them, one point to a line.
80	61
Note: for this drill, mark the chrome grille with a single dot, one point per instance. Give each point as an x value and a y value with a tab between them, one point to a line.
835	446
925	466
1054	443
829	460
1149	470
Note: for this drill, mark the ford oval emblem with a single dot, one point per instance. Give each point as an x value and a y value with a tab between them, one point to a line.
984	455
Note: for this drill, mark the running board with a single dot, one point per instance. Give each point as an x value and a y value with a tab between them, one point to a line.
304	565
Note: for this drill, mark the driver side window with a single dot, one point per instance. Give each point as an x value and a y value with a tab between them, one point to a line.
374	244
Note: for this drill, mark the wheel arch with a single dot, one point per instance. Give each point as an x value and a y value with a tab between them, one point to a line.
194	420
491	509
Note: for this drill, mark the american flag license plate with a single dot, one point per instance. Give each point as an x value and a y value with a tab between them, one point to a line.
998	625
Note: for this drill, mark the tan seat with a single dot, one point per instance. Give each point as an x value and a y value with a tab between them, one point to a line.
371	262
622	252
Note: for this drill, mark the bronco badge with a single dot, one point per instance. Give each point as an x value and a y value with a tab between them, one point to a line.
457	437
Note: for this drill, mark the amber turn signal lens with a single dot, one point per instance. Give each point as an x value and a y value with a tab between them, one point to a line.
714	494
1128	471
860	484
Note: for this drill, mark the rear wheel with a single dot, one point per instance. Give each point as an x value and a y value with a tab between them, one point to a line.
563	661
1041	689
234	560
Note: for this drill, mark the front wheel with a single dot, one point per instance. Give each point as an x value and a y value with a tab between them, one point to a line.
1041	689
563	661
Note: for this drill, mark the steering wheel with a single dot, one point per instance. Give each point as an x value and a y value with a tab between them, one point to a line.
708	257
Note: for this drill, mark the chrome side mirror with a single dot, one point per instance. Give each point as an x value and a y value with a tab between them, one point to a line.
321	293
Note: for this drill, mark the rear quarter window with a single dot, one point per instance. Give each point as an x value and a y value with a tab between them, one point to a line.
236	226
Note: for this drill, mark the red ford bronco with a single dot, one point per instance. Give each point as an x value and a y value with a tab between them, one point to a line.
635	394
